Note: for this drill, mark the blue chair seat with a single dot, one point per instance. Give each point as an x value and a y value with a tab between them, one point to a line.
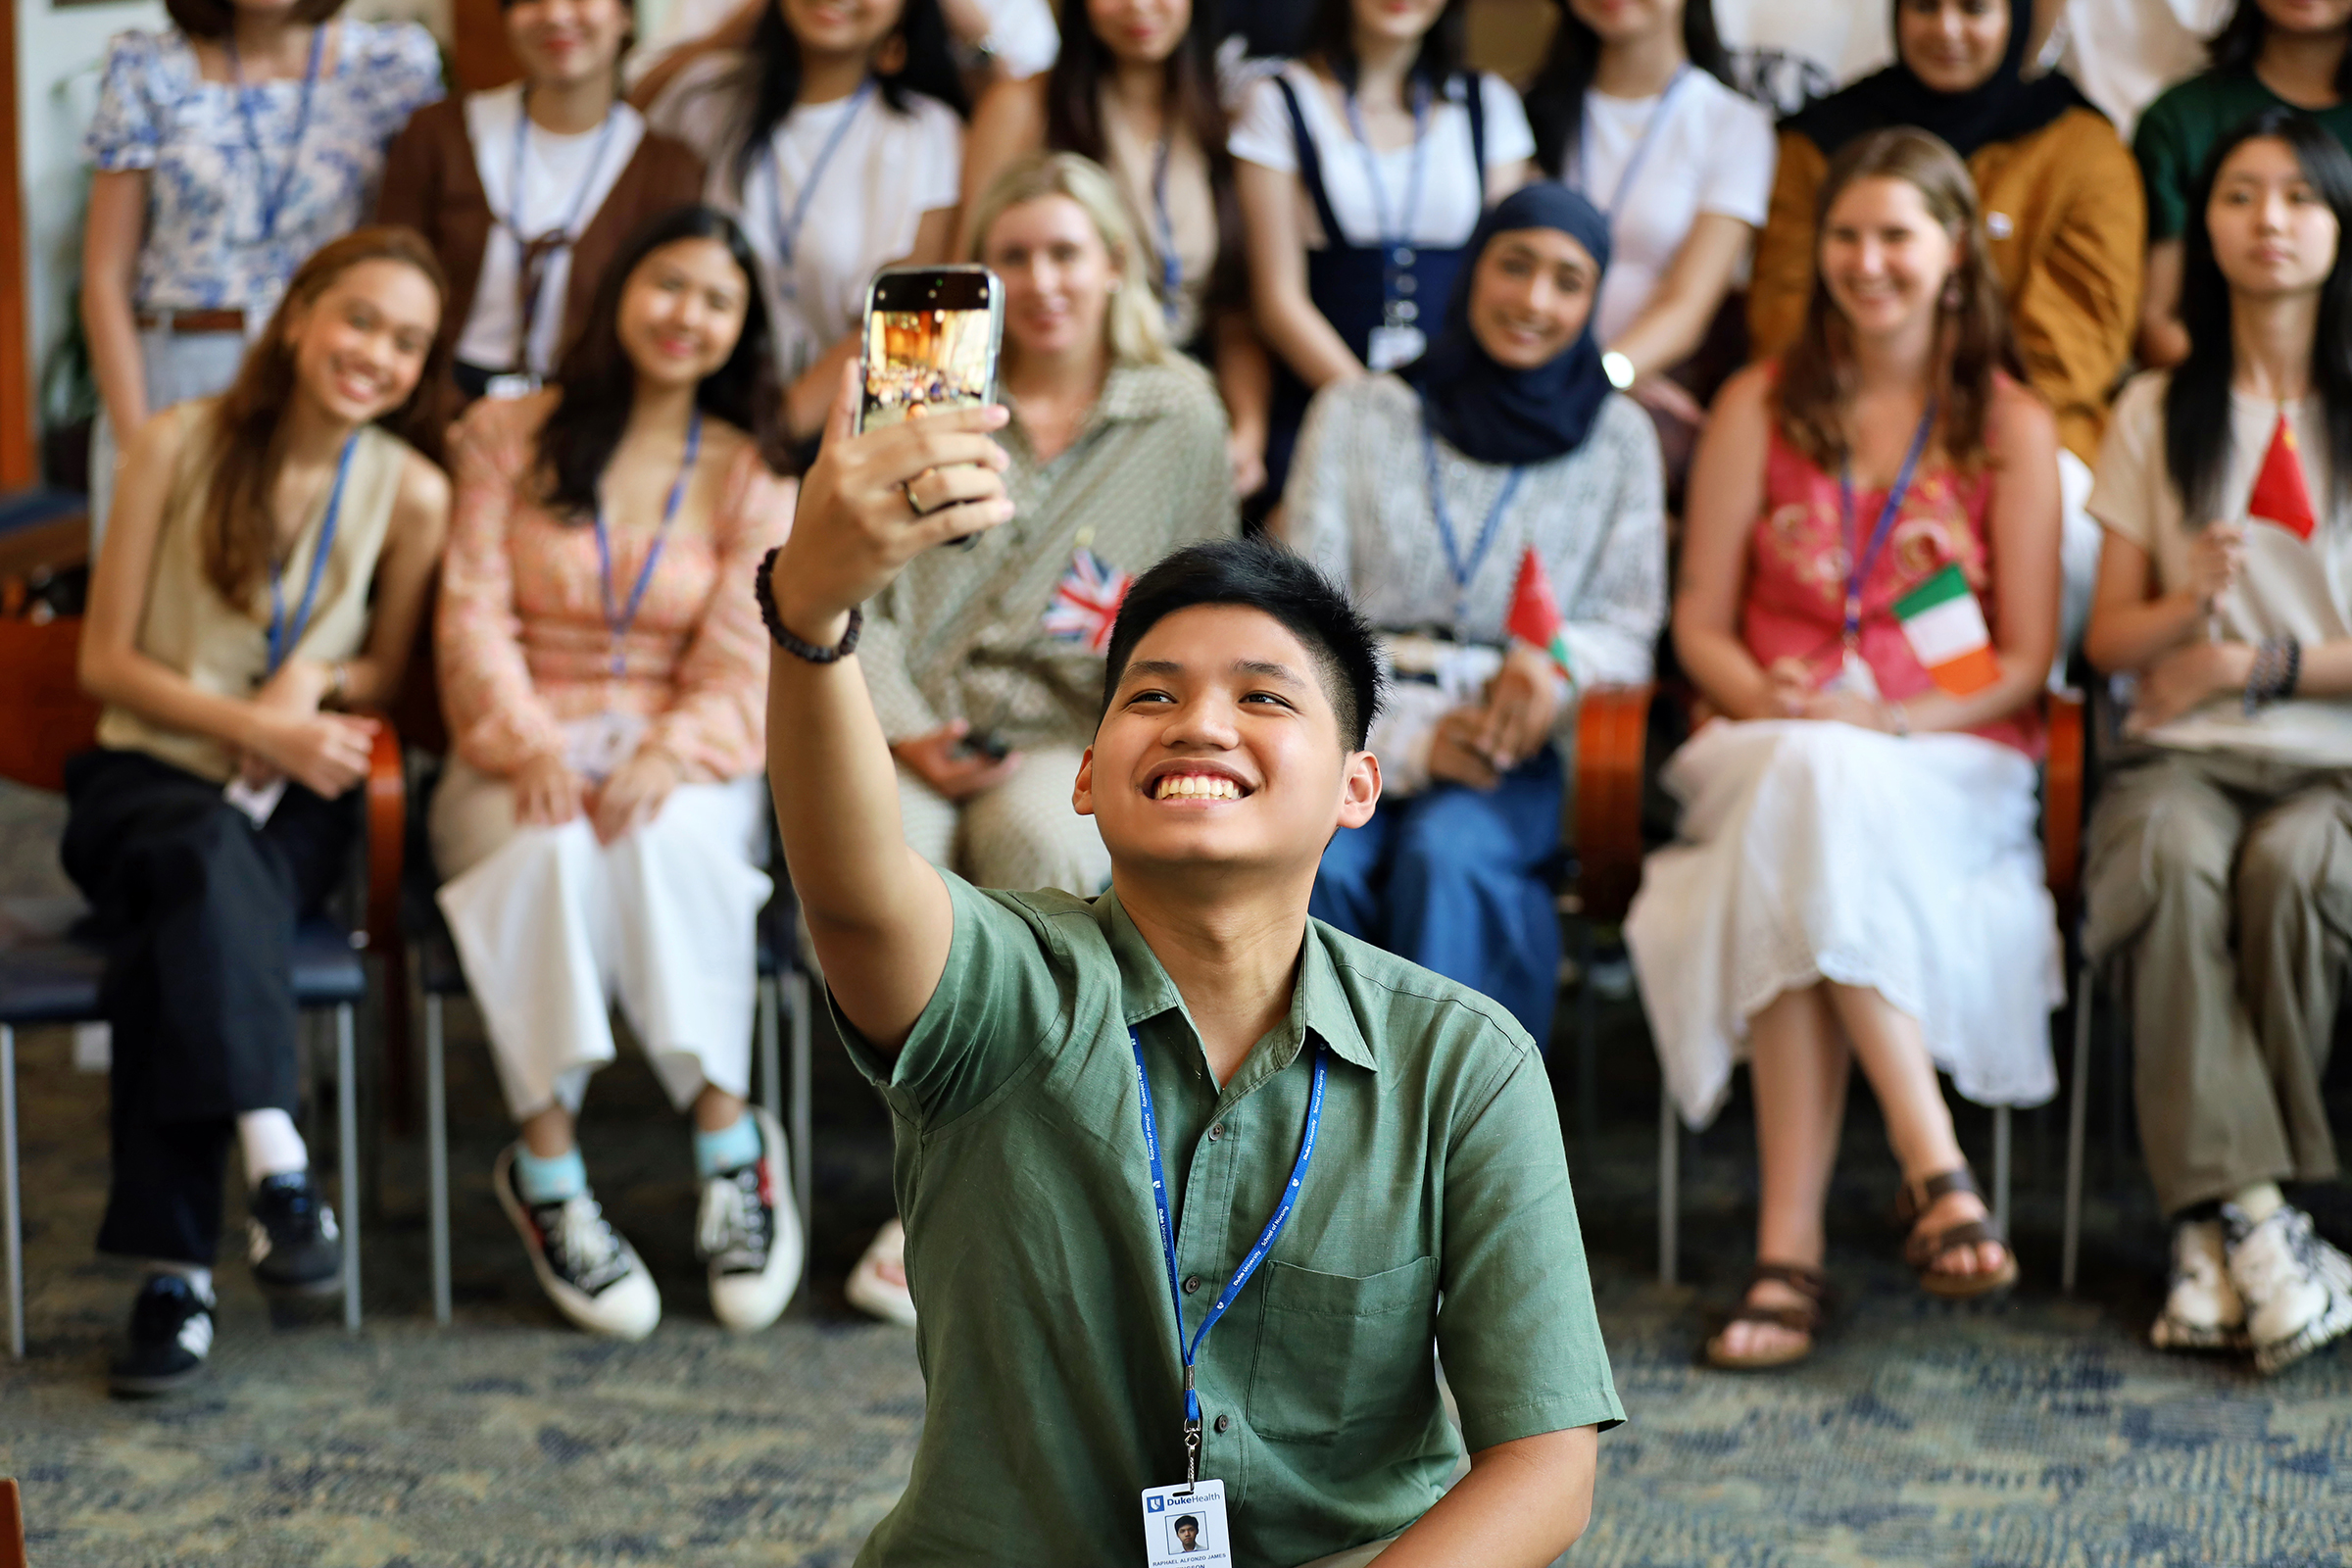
54	979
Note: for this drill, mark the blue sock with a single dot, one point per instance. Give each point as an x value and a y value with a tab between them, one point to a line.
551	1180
731	1148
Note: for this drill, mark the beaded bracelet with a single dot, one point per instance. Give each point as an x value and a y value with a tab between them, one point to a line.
2276	671
764	588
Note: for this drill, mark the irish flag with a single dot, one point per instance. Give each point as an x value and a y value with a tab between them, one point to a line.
2280	495
1945	627
1535	618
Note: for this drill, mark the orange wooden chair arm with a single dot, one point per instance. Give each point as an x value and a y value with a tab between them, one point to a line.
387	790
1612	733
2062	801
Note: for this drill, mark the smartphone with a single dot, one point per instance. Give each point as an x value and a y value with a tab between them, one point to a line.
931	336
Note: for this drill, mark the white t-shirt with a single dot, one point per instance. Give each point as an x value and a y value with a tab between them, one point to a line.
1787	52
2123	53
885	172
1713	152
565	181
1021	34
2289	587
1451	202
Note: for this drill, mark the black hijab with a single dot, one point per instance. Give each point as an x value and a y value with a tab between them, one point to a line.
2002	108
1494	414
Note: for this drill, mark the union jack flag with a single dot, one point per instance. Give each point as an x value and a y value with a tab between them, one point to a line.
1086	602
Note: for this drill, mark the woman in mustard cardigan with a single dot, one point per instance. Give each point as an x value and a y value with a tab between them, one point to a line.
2065	222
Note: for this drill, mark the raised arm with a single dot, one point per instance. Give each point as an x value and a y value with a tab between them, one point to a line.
877	911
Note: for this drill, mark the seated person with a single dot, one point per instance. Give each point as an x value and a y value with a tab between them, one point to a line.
2063	211
267	567
1869	599
600	821
1429	499
1011	1033
1116	444
2219	857
527	191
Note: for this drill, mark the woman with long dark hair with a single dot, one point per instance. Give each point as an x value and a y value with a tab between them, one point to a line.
1869	601
225	149
1631	108
601	818
2271	54
835	136
2220	848
1363	165
1135	90
266	567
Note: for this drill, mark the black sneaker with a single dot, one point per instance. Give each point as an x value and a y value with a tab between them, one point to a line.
749	1234
171	1334
587	1268
292	1241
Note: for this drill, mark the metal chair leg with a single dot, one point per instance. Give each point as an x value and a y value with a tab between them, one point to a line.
1670	1185
436	1157
2000	1168
12	1219
2077	1111
347	1117
1587	1046
797	987
771	1083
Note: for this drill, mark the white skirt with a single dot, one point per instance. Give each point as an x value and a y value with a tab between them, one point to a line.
1812	851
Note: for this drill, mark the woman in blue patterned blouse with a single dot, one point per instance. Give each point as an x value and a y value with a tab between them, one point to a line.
225	149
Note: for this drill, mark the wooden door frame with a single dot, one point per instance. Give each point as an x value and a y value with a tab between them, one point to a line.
19	465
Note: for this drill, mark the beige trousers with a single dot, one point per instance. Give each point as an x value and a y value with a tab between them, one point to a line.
2220	884
1022	834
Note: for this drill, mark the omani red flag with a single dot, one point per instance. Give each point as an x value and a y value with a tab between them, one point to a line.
2280	494
1536	613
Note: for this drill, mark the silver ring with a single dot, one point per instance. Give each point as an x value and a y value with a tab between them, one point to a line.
906	489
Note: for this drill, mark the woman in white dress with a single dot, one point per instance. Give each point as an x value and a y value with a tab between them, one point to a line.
1869	603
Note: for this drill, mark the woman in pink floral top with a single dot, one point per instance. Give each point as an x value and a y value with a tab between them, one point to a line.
1870	601
604	670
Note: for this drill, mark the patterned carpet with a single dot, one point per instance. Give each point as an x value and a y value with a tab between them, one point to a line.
2037	1432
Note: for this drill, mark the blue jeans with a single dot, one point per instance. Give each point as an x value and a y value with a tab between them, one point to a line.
1459	881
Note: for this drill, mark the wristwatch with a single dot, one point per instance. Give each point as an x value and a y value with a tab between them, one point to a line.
1617	369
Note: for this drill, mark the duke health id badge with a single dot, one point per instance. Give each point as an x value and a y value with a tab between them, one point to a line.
1184	1527
594	748
1392	346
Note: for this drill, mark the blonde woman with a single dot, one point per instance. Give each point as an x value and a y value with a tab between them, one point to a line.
1117	449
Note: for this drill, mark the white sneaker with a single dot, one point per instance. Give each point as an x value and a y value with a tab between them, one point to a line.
749	1232
871	1290
587	1268
2203	1311
2297	1288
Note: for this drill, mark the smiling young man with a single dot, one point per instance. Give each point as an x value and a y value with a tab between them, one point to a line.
1183	1100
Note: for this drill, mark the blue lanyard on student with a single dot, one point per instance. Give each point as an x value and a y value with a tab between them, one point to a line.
273	196
1171	270
579	195
282	635
617	620
1632	163
1463	570
787	224
1858	559
1189	1350
1396	240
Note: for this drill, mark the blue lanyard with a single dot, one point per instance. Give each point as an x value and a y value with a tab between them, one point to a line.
1398	237
1632	163
579	196
274	197
1171	270
283	636
617	620
1464	570
1189	1350
1858	559
787	225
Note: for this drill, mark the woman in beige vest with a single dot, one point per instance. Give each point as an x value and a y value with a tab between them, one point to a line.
264	575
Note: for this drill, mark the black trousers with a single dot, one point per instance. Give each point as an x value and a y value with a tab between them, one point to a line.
197	909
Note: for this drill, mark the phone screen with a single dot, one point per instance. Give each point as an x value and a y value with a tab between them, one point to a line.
930	343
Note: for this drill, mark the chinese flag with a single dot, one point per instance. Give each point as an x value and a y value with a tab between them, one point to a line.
1535	618
2280	494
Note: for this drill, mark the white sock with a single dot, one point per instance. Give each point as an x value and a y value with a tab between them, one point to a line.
2260	1201
199	1279
272	1148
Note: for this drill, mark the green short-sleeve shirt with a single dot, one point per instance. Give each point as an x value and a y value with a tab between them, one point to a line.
1054	1388
2179	131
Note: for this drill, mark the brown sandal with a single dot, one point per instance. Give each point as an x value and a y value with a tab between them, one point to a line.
1921	1252
1805	1318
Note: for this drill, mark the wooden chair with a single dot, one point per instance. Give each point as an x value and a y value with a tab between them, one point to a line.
1612	731
50	976
12	1524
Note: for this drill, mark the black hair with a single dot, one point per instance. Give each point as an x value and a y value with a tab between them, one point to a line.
1184	1519
1260	574
928	67
1445	48
2239	45
596	380
1555	98
2196	404
217	18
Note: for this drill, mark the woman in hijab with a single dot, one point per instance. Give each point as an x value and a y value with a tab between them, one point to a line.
1503	452
2064	217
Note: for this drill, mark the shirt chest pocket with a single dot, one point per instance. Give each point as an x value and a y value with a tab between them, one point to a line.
1343	1355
